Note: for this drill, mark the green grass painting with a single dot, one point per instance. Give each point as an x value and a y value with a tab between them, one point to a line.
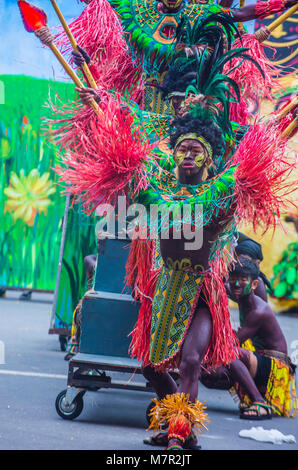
32	203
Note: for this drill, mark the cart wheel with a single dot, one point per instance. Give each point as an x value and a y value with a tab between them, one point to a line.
72	411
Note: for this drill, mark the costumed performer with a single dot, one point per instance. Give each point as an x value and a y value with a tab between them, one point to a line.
262	379
246	247
149	28
188	322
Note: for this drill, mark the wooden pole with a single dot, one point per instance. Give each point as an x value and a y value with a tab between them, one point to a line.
242	4
282	18
262	34
288	108
71	73
291	127
74	44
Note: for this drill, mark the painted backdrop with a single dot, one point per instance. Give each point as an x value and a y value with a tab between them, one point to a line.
32	205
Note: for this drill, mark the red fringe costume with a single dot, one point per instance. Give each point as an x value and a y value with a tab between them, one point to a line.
110	156
116	161
99	32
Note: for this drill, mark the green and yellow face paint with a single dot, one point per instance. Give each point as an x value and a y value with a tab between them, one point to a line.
172	4
199	160
240	286
200	157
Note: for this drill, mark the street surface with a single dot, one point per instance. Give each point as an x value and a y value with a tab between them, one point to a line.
35	372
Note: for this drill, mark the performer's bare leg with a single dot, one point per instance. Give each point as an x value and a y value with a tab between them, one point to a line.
219	379
194	348
162	382
243	370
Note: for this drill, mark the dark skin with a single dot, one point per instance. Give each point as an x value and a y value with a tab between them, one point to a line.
90	263
258	319
199	333
192	160
243	14
261	288
190	172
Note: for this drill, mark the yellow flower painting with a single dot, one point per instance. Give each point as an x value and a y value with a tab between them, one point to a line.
28	195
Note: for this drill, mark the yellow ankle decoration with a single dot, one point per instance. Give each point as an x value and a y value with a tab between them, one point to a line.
180	413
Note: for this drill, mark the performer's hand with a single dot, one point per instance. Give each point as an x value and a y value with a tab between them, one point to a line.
291	3
80	57
87	95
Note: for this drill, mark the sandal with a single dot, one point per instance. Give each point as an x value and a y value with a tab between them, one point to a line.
177	445
161	440
191	442
257	416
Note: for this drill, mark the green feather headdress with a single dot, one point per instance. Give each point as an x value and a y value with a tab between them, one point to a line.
210	87
217	30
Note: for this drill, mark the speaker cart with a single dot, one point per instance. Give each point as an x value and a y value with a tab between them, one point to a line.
109	314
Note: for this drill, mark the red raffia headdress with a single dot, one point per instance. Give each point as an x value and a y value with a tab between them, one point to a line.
99	32
114	158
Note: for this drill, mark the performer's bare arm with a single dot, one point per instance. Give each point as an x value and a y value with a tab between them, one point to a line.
249	329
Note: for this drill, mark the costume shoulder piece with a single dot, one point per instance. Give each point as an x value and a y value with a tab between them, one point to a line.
151	32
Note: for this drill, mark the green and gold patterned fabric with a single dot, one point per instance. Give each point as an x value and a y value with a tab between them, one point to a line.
172	310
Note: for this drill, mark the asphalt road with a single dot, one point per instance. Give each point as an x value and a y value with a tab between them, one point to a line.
35	372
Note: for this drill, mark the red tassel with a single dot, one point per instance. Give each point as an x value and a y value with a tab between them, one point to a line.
249	79
239	113
287	119
112	156
99	32
269	7
70	125
139	264
140	343
262	181
179	427
224	345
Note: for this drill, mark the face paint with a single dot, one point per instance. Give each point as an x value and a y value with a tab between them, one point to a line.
247	288
172	4
199	160
243	286
179	157
198	138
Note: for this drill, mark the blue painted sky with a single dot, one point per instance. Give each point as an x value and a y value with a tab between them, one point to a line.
21	52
